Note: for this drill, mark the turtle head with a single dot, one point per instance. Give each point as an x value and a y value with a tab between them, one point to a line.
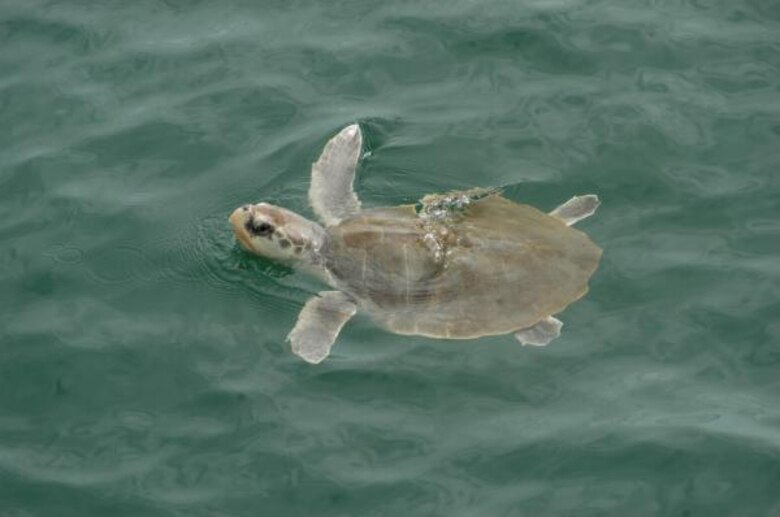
275	233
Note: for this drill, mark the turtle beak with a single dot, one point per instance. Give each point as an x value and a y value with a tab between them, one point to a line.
238	220
239	217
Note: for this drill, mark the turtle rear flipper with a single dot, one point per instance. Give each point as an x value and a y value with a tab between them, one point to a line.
540	334
577	208
319	324
331	192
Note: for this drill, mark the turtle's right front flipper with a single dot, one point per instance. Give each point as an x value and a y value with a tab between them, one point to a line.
331	192
319	324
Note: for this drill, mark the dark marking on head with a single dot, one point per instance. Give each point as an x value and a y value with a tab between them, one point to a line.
259	228
284	243
298	249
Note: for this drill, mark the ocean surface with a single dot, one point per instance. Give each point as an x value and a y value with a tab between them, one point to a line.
143	363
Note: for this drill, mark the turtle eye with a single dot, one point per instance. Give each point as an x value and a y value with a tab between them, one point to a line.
262	229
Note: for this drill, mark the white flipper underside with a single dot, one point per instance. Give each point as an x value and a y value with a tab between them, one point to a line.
331	191
540	334
319	324
577	208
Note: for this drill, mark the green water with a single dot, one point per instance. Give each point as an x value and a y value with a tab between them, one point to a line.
143	369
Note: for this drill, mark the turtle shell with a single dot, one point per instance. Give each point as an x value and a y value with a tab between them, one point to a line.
492	268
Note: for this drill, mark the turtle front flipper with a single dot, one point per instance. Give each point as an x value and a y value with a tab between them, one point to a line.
577	208
319	324
540	334
331	192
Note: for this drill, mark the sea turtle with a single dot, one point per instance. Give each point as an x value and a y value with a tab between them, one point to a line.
459	265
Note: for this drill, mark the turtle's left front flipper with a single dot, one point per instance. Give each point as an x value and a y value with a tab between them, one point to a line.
319	324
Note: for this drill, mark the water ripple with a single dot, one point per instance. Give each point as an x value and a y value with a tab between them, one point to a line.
71	468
